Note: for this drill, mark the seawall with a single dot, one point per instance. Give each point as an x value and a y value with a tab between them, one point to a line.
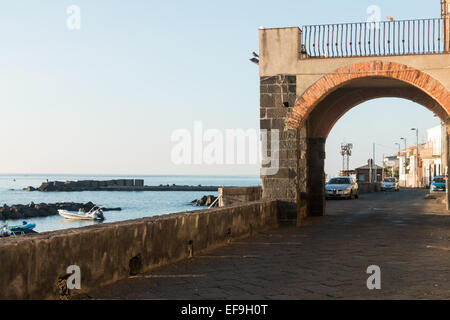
34	267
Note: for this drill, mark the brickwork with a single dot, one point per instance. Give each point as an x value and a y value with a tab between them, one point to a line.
316	164
329	83
329	111
229	196
278	96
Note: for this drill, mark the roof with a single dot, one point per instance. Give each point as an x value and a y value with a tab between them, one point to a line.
366	167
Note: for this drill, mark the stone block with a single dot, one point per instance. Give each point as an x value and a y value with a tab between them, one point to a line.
265	124
268	80
267	101
277	113
277	124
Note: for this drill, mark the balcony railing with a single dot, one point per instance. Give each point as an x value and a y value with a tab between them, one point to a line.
385	38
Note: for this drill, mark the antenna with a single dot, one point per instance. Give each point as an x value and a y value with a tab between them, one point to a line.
346	152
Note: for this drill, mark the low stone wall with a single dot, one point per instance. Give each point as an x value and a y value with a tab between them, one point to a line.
369	187
34	267
236	195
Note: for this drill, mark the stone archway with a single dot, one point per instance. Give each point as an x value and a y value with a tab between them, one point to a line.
299	185
366	70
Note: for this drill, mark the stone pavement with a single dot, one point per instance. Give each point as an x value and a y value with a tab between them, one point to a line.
326	258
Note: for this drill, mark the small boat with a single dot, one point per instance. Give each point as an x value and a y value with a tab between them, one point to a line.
96	213
25	228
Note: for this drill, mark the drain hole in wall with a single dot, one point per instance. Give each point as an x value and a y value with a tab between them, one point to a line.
190	248
135	265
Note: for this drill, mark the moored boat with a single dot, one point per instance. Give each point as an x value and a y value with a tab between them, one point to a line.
96	213
25	228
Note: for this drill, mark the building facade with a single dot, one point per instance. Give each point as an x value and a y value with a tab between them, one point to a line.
366	173
431	156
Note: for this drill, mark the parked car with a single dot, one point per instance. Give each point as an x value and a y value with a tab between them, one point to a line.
438	184
390	183
342	187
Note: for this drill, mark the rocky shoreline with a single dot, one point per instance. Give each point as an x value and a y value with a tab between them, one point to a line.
32	210
205	201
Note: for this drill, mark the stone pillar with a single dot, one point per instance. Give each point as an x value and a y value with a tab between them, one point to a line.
278	94
445	14
316	177
445	159
303	174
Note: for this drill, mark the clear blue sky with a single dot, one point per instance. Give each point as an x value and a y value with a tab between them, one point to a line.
106	98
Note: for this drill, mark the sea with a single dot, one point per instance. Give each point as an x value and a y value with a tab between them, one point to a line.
134	205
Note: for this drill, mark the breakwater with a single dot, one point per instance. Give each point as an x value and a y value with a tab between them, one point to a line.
32	210
113	185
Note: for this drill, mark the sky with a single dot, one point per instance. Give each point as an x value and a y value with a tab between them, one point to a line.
106	98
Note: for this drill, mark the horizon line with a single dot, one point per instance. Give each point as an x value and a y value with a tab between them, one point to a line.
127	174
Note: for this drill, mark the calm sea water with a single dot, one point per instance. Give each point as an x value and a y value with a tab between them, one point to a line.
134	204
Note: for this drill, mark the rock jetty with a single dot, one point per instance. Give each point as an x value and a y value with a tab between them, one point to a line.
90	185
32	210
205	201
113	185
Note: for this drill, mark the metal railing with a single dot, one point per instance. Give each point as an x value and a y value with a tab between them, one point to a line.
384	38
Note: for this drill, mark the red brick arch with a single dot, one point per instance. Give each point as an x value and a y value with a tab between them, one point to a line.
324	122
333	81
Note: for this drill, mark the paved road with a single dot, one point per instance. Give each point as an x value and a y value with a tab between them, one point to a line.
327	258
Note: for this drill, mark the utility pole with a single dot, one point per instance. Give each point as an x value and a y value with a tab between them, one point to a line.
404	164
346	152
374	165
442	144
398	158
416	164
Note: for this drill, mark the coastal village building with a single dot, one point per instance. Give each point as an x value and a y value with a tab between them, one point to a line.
391	166
407	162
429	161
365	173
429	164
431	156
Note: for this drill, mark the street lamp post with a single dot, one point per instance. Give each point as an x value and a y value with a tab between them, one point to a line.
441	147
399	151
404	164
416	165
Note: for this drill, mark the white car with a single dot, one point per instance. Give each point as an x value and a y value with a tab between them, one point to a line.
390	183
342	187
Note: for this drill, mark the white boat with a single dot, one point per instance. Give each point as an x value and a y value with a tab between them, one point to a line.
96	213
